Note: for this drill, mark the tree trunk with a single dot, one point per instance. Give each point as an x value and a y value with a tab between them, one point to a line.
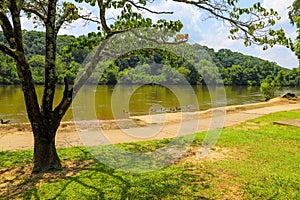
45	156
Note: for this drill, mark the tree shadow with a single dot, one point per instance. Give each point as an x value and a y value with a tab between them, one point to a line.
20	182
94	180
102	182
16	182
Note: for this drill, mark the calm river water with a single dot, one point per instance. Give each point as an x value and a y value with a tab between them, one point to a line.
109	102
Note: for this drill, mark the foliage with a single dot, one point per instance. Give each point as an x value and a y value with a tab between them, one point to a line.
8	73
269	86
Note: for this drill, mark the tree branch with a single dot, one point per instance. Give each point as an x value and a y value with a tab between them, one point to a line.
13	33
36	12
50	58
211	9
253	29
91	65
70	12
37	5
156	40
87	18
17	30
7	29
65	102
7	50
62	19
102	7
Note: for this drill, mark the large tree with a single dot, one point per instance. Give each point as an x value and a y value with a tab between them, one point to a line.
251	24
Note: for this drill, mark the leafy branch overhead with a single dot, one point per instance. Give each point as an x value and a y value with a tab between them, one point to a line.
251	24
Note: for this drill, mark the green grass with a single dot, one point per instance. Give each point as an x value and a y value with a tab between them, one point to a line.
258	161
15	158
22	158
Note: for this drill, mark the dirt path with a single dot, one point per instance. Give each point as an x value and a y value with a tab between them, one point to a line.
19	136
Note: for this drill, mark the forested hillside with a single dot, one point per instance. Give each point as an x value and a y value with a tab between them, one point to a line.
205	67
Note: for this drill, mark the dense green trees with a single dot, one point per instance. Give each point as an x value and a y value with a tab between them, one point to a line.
8	73
204	68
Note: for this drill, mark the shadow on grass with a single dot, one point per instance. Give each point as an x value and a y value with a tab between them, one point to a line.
16	179
102	182
84	178
98	169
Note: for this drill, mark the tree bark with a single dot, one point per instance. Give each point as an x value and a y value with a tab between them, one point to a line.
45	155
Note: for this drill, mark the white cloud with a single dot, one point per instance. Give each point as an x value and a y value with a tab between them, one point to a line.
280	6
78	27
188	14
216	36
282	9
28	24
279	54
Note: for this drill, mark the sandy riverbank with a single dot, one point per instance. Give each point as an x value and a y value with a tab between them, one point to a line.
19	136
185	116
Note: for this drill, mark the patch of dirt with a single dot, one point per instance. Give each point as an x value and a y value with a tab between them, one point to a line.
230	191
251	126
69	126
214	155
220	178
15	128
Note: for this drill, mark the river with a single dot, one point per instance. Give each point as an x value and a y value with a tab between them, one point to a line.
109	102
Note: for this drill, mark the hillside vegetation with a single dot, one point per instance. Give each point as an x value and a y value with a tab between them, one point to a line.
206	66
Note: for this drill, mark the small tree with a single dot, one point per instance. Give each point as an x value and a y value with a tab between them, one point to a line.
268	87
248	23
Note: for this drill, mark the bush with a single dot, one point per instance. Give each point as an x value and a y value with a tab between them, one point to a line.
268	87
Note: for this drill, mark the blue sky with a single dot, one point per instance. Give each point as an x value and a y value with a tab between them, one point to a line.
211	32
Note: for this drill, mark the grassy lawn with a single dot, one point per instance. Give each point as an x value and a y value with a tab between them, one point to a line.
253	160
